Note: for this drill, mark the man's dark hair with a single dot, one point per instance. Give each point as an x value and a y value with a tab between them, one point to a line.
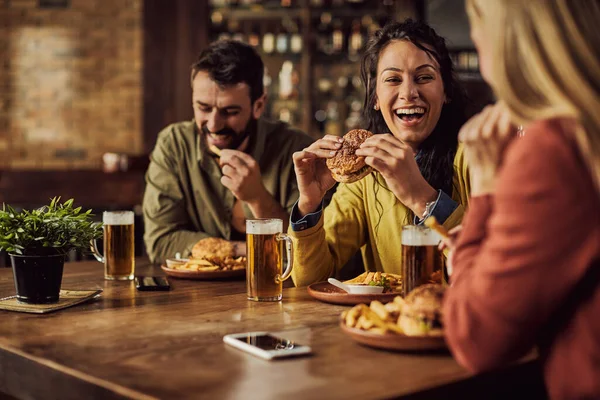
228	62
436	153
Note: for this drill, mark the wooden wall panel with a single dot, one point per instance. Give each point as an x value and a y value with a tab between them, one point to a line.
174	33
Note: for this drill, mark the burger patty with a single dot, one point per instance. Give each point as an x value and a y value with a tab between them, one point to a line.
345	161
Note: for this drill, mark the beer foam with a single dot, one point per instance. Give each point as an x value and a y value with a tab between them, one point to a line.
117	217
419	236
264	226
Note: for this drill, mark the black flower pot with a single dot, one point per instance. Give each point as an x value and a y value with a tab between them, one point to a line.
37	278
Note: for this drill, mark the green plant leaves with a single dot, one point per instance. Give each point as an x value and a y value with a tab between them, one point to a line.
53	229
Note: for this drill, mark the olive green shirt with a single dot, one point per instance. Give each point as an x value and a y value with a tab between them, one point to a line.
184	199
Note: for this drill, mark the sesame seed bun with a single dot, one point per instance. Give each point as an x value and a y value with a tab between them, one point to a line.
345	165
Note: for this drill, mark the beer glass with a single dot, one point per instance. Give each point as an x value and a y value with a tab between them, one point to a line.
264	254
119	251
422	262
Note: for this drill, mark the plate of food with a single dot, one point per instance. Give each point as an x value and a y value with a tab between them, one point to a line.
326	292
411	324
211	258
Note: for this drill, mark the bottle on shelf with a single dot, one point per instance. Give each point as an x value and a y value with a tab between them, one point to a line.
356	41
233	27
296	43
288	81
268	42
282	41
333	125
295	37
253	36
337	37
325	34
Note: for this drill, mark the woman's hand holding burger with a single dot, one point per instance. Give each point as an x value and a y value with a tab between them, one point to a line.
313	176
395	161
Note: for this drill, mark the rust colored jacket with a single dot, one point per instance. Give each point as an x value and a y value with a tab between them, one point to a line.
527	266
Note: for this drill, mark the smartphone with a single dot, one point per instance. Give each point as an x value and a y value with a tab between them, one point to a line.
152	283
265	345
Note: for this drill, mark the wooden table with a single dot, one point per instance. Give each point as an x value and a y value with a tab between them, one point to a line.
130	344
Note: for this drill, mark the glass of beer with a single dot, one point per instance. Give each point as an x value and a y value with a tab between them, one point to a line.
422	262
119	250
264	254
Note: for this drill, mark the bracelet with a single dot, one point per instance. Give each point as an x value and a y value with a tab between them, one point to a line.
428	208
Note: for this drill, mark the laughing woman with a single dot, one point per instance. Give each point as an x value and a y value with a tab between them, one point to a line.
527	263
415	107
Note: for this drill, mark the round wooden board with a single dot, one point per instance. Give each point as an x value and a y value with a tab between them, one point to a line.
326	292
395	341
204	275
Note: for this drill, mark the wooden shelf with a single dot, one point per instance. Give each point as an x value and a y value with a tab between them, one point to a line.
242	14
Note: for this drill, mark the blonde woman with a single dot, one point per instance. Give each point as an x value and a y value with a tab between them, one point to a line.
527	262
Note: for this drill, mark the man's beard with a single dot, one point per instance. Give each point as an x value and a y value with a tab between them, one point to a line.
238	138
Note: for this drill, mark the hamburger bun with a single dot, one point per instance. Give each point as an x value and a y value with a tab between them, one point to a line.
422	312
345	165
213	248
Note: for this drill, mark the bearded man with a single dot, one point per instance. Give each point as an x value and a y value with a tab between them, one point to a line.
207	176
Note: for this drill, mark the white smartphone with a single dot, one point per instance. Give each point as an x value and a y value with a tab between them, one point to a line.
265	345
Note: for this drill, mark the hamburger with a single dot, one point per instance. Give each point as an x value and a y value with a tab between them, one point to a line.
345	165
210	248
421	313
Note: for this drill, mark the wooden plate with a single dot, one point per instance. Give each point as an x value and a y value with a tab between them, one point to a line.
394	341
204	275
326	292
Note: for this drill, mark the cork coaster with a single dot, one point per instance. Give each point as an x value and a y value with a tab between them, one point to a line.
67	298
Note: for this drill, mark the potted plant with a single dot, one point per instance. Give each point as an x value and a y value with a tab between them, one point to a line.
38	241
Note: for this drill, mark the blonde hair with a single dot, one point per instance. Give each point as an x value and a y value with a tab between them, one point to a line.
546	63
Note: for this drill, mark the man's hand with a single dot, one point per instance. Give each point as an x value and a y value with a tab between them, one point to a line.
241	175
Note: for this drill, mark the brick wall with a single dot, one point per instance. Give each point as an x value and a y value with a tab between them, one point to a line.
70	82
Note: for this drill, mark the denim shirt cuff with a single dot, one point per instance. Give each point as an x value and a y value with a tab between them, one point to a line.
444	206
306	222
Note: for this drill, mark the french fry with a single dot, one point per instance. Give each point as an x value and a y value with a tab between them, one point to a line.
361	323
367	323
392	307
432	223
394	327
215	150
352	315
195	261
379	309
208	269
359	279
369	277
399	300
374	318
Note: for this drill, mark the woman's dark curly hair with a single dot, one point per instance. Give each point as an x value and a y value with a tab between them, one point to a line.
436	153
